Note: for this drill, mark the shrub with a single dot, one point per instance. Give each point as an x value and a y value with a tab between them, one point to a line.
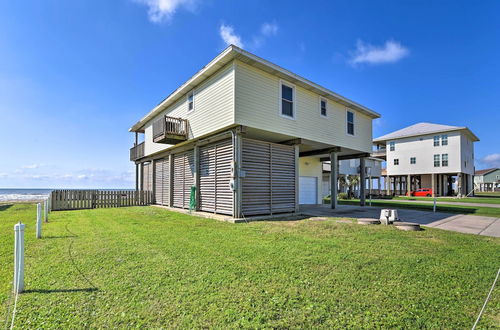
342	195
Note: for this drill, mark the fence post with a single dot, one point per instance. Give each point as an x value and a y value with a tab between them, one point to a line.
46	207
19	257
39	220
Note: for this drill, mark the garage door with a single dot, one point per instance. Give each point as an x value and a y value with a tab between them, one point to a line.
308	190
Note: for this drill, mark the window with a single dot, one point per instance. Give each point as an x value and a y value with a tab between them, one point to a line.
413	160
436	141
444	159
444	140
322	106
287	101
350	123
190	99
392	146
436	160
396	161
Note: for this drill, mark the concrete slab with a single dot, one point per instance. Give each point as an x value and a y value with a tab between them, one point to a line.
470	224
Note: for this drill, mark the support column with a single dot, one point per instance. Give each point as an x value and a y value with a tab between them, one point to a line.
333	179
433	184
378	186
408	184
171	180
196	175
136	177
459	184
237	194
297	155
362	181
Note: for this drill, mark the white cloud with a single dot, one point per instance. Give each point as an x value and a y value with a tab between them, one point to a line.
162	10
269	29
391	51
227	34
32	166
491	160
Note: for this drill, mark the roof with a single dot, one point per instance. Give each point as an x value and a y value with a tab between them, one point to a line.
486	171
232	52
424	129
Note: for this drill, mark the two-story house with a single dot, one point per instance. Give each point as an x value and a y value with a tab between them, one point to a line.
243	136
487	179
426	155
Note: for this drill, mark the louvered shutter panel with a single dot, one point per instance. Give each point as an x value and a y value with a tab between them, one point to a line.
269	183
215	175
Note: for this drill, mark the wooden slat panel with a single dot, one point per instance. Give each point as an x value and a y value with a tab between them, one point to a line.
183	178
215	174
269	183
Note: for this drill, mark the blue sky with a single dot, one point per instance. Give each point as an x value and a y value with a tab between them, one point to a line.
75	75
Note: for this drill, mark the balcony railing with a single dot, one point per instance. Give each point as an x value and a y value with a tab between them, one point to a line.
170	130
137	152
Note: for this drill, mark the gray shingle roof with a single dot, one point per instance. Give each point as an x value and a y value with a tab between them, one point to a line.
421	129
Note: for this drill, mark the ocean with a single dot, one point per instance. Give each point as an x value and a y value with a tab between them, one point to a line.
22	195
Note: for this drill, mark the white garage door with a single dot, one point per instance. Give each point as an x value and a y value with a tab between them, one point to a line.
308	190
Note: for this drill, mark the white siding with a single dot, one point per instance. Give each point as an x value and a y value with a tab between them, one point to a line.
214	109
467	154
258	105
422	147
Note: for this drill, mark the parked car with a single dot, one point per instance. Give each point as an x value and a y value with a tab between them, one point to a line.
424	192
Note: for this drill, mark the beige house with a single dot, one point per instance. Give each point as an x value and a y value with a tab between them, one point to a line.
249	135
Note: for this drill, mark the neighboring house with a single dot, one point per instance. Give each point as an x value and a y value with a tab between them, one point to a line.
249	135
487	180
428	155
352	167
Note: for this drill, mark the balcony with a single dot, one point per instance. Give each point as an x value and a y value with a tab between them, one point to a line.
170	130
137	152
379	153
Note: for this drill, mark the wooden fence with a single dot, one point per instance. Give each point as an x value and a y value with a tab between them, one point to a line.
91	199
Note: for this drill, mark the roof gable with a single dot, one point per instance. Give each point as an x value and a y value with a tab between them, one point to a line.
422	129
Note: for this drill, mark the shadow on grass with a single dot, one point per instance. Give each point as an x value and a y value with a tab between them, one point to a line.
4	207
61	290
62	236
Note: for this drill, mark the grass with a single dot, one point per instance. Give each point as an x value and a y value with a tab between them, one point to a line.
144	267
451	208
481	199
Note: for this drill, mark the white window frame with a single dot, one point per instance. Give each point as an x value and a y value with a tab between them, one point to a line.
294	97
347	122
415	160
438	160
444	137
396	160
434	140
447	161
191	92
392	146
326	107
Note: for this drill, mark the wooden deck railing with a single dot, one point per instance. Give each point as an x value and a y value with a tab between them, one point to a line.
169	129
137	151
91	199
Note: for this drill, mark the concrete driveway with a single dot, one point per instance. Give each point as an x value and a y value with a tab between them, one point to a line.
470	224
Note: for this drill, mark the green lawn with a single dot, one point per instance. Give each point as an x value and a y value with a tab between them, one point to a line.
479	199
148	267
